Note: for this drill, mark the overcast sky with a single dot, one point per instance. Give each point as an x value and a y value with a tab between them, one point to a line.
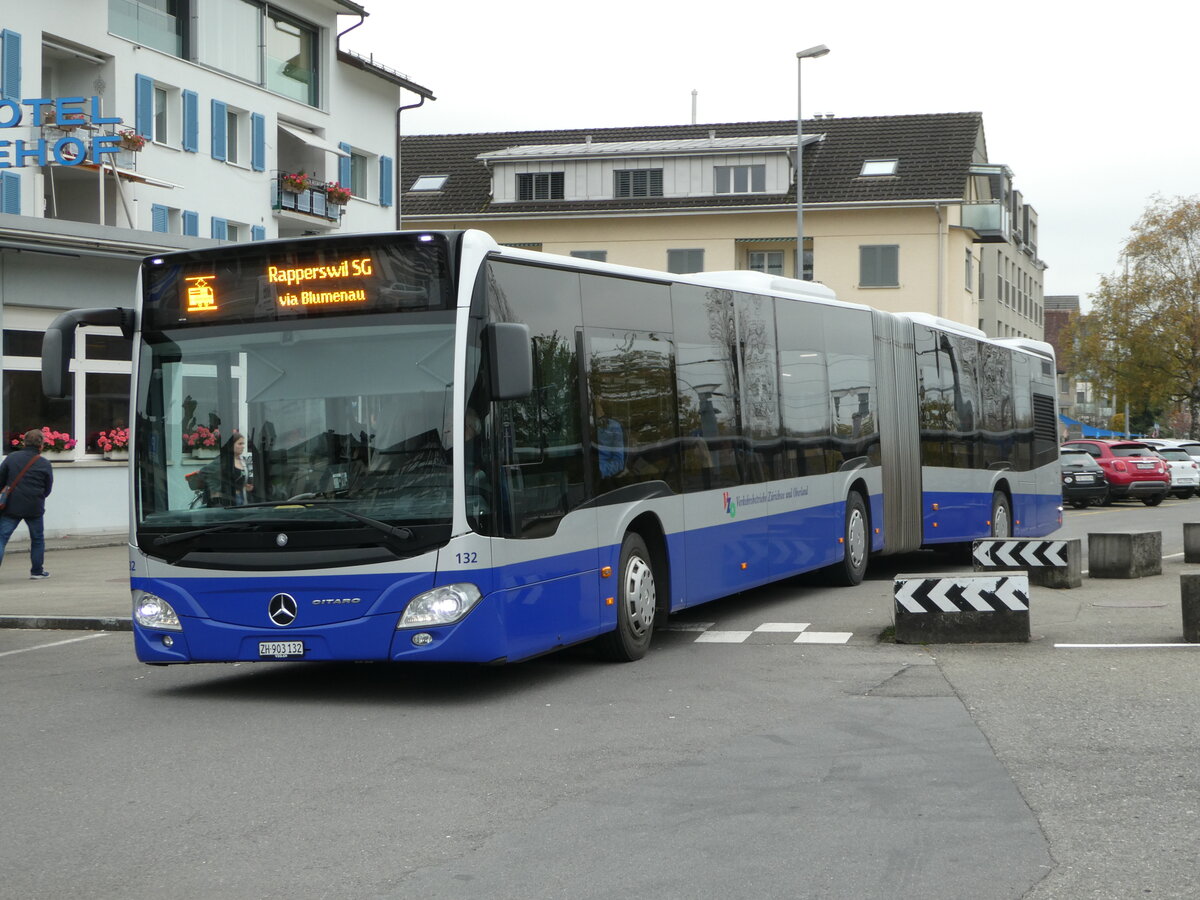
1091	105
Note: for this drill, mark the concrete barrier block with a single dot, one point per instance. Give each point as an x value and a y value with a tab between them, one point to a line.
961	608
1191	542
1189	596
1048	563
1128	554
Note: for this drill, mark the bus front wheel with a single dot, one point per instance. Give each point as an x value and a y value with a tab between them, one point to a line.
637	599
857	541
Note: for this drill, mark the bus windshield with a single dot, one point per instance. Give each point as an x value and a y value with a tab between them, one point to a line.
284	423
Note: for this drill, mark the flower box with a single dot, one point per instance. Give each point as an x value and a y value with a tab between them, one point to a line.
204	452
335	193
294	182
131	140
122	453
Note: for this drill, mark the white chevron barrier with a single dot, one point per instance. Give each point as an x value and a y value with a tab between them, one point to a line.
961	608
1055	564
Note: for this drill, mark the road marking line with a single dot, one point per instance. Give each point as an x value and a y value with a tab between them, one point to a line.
723	637
55	644
685	626
783	626
824	637
1117	646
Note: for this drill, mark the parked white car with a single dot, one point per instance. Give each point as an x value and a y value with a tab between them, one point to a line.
1185	471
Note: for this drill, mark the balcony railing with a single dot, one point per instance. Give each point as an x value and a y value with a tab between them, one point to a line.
312	201
989	219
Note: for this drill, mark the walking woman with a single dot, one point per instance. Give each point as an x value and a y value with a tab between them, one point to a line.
31	477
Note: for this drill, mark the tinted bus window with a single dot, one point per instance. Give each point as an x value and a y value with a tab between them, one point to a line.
760	388
803	388
610	302
539	438
631	377
850	347
996	393
707	375
1022	413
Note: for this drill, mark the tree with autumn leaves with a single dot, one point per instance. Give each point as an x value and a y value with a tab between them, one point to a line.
1142	338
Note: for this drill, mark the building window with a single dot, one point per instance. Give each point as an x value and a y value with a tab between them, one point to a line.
597	255
161	96
879	265
291	57
232	136
151	23
429	183
638	183
872	167
683	262
360	166
969	272
540	186
769	261
740	179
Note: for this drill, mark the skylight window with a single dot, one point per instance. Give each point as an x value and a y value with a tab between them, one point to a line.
429	183
879	167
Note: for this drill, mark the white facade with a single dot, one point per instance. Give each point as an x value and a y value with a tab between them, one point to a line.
227	95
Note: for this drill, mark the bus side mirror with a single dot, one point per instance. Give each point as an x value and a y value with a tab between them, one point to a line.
510	353
58	343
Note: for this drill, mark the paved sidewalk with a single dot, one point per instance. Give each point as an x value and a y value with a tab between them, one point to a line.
88	587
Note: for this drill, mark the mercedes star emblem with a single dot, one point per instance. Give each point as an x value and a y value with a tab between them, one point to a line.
282	609
281	540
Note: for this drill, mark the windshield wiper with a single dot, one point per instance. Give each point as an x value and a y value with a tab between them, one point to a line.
395	531
163	539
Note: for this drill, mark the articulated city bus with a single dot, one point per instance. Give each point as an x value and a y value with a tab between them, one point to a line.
424	446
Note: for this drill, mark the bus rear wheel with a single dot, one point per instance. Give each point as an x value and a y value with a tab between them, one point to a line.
857	540
637	599
1001	515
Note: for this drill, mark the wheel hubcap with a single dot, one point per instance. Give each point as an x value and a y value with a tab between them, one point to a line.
856	535
639	595
1000	522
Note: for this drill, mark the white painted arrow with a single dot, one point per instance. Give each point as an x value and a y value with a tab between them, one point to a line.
1008	593
904	595
1057	552
1029	552
1004	554
973	593
980	553
938	595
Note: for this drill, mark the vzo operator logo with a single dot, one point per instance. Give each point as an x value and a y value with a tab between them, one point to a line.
730	505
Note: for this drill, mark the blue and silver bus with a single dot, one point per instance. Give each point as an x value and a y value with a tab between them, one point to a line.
426	446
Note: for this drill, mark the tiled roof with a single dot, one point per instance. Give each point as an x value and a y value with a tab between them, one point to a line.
935	152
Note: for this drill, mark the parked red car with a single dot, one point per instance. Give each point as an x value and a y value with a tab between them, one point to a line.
1133	469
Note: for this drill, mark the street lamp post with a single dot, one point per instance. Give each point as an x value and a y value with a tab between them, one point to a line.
810	53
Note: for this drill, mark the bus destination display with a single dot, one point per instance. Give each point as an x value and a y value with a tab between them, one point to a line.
189	289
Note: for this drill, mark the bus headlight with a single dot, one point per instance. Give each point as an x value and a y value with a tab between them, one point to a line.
443	605
151	611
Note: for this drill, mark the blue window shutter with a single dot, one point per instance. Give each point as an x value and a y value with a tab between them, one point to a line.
143	105
385	181
159	218
258	233
191	122
218	130
191	223
10	65
258	142
10	193
220	229
344	165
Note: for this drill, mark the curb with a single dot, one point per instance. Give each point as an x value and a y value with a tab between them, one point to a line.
69	623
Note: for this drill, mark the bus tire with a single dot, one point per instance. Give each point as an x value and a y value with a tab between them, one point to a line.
636	604
1001	515
857	541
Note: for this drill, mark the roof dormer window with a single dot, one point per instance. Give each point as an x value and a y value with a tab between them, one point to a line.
873	167
540	186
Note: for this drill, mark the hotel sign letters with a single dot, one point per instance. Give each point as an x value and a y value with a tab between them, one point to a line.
64	151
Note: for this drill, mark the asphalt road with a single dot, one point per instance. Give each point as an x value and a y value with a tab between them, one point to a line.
731	762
